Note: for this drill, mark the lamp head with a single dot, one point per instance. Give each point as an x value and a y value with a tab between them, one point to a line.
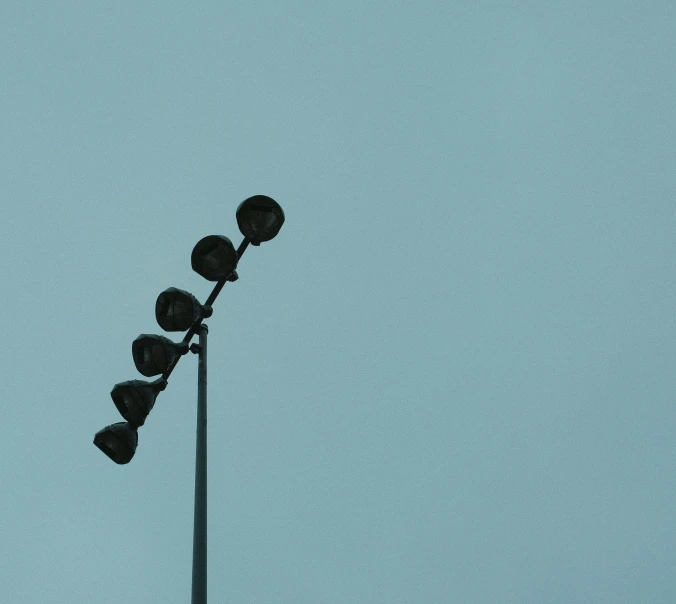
214	257
135	399
118	441
177	310
259	218
154	354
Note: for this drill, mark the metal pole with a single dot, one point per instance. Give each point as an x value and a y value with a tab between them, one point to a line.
199	543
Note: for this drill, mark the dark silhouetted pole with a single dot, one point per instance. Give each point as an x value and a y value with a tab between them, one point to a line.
199	542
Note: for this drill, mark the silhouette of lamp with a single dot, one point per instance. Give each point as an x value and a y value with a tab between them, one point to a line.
135	399
214	258
118	441
259	218
177	310
154	354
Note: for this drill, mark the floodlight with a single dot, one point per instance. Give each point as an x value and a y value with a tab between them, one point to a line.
177	310
214	257
259	218
153	354
118	441
135	399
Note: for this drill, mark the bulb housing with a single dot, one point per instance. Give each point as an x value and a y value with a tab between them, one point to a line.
135	399
118	441
177	310
260	218
154	354
214	257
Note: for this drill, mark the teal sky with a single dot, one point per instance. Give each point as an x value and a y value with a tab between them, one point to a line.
449	379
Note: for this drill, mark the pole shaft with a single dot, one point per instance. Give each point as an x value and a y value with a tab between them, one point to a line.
199	544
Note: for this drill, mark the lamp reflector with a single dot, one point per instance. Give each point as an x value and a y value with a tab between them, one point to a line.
118	441
135	399
177	310
214	257
259	218
153	354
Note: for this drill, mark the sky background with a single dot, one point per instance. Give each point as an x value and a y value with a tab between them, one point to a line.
450	378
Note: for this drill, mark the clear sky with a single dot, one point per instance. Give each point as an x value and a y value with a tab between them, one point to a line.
449	379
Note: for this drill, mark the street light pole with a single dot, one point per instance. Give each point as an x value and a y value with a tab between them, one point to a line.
259	219
199	543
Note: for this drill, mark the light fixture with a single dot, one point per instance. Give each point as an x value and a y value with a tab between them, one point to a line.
153	354
118	441
214	257
177	310
135	399
259	218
